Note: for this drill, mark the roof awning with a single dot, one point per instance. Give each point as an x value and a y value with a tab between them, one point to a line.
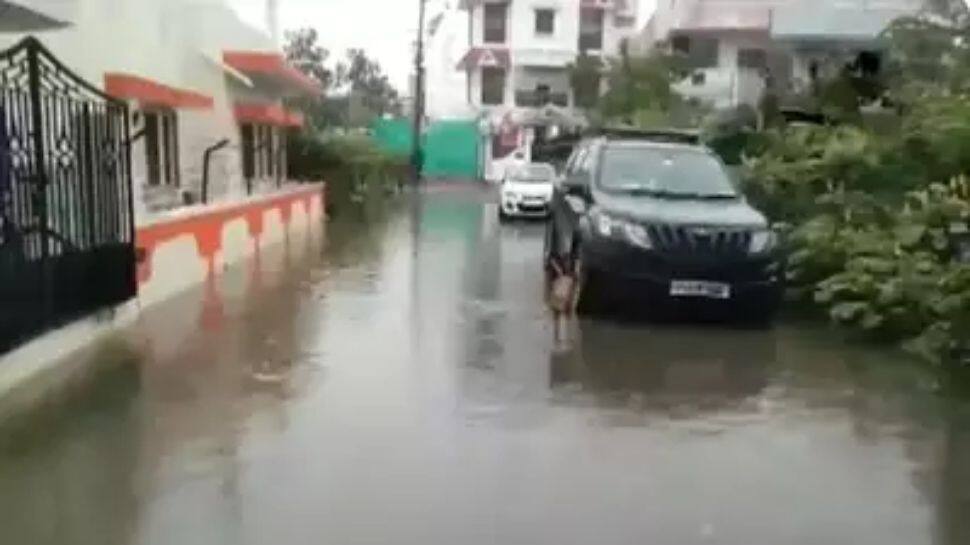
478	57
267	114
268	68
17	18
152	93
228	70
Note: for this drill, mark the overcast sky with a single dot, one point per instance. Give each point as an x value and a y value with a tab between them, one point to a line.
384	28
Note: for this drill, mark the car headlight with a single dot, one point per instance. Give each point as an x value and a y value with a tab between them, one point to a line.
605	225
638	235
609	227
510	195
763	241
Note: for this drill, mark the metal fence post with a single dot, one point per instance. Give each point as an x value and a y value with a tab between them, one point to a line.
39	189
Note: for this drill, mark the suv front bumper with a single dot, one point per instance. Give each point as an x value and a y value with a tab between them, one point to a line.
632	273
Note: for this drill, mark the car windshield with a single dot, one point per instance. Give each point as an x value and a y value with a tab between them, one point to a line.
534	173
675	173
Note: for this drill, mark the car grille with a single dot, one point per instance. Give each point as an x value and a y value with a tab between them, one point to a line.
688	240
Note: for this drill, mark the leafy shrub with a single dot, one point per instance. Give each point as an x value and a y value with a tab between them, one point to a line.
353	166
800	164
891	273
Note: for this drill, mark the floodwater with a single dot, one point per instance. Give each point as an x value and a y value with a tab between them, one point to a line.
397	381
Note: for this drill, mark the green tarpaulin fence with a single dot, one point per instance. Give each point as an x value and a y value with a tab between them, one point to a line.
450	147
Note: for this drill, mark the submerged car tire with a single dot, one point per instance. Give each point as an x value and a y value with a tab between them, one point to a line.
761	318
590	295
549	250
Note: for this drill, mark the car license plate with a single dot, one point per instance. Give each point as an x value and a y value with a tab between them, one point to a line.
699	288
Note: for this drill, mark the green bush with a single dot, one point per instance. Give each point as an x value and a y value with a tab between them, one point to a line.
870	238
355	169
889	272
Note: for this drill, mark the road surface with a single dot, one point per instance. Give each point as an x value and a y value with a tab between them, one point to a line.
401	383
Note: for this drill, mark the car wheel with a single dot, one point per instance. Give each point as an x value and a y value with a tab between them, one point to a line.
761	318
589	291
502	216
549	249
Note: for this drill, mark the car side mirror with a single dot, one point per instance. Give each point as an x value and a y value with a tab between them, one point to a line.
576	186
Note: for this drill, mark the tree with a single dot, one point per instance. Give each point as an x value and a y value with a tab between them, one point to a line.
370	88
302	51
585	78
929	53
640	88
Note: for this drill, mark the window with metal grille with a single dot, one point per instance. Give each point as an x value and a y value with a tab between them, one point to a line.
161	147
545	21
248	137
493	86
152	151
495	23
170	149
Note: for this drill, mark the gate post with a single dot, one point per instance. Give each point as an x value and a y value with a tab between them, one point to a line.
39	191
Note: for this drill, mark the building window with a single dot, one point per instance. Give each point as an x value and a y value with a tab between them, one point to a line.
545	22
161	147
680	45
267	152
170	137
261	151
543	94
248	137
699	52
752	58
495	23
493	86
591	29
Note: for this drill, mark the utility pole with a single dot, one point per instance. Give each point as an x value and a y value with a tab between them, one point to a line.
417	154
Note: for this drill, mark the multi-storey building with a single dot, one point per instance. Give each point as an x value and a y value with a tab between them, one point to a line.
517	65
736	49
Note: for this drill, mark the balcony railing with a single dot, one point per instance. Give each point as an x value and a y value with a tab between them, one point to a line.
536	99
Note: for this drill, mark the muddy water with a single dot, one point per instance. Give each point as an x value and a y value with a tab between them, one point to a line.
398	382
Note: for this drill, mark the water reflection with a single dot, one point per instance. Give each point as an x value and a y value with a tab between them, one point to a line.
73	478
677	371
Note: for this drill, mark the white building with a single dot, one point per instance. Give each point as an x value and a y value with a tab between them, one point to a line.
516	65
193	74
736	48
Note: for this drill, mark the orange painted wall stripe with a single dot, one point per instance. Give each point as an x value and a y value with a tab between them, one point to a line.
206	226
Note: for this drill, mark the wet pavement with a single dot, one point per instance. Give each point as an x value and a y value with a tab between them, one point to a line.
398	381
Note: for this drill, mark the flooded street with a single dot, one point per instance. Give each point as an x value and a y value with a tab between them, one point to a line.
398	381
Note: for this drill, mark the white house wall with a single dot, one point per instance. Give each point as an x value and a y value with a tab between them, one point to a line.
177	43
447	86
566	36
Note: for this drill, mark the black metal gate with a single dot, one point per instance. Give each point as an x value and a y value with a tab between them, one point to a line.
66	221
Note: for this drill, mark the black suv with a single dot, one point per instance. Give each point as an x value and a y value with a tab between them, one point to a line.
652	219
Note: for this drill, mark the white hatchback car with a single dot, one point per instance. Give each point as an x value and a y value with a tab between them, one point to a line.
526	191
